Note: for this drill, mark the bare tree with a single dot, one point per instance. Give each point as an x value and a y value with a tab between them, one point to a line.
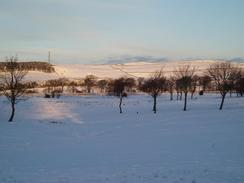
130	83
204	82
170	86
72	86
31	85
223	74
140	81
154	86
119	90
48	85
89	82
194	85
13	83
62	82
178	89
185	75
240	86
238	74
1	87
53	87
1	84
102	84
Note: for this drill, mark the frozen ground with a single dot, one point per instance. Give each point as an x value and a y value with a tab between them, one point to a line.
86	140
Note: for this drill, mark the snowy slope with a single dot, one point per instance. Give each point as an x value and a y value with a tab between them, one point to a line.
137	69
86	140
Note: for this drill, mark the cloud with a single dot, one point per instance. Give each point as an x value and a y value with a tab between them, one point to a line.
236	59
135	58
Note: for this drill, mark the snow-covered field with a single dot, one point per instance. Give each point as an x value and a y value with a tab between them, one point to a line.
137	69
86	140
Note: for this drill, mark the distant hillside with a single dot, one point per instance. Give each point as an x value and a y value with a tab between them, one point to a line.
32	66
136	69
45	71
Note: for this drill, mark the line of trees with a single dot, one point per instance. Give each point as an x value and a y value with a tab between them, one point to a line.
31	66
223	77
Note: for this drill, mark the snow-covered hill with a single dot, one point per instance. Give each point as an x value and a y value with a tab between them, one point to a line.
137	69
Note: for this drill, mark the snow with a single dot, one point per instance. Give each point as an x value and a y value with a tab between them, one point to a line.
86	140
137	69
40	76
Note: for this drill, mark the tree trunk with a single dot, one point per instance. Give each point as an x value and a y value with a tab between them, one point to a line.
13	112
171	95
185	101
180	95
120	103
154	104
192	94
222	101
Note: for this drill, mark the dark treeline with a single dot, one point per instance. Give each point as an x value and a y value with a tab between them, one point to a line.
31	66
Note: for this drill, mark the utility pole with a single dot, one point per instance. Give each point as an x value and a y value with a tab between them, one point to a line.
49	57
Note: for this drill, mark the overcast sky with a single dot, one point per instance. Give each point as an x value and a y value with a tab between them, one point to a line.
97	31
